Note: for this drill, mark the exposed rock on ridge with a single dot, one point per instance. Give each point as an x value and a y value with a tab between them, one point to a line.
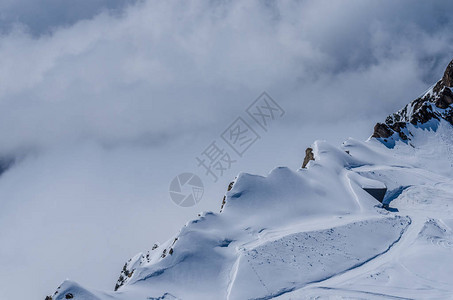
308	156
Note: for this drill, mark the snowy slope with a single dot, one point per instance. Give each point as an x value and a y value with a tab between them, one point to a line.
315	232
420	265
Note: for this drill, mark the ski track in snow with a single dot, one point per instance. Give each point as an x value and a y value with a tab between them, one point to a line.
326	241
367	266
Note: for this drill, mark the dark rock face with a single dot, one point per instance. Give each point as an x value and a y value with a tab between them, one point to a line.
448	75
435	105
382	130
128	268
125	274
443	95
230	186
308	156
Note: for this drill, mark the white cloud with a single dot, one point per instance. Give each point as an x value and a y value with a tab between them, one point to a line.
163	65
118	104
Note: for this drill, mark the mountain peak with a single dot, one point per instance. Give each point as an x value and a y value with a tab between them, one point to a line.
447	79
424	112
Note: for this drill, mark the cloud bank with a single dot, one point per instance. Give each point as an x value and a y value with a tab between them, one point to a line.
109	100
160	67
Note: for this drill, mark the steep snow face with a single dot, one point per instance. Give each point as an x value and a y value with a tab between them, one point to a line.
302	232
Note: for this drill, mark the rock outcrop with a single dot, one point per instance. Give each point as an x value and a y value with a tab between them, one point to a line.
308	156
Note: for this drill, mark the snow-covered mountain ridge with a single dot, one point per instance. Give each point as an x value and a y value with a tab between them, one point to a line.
316	231
424	112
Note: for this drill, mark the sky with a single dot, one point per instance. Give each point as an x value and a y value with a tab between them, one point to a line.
103	103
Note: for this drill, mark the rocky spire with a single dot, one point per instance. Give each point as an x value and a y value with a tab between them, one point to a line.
443	95
447	80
